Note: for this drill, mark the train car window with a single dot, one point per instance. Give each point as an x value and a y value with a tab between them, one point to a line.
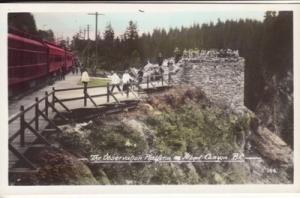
12	58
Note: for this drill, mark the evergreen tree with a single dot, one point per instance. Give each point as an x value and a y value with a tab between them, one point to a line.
22	21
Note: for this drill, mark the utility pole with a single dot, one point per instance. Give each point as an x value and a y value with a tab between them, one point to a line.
96	37
84	31
88	32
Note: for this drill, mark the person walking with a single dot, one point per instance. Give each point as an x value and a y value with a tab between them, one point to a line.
73	69
60	73
126	79
140	75
76	70
115	82
64	73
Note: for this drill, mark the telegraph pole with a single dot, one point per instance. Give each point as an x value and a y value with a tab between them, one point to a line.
88	32
96	37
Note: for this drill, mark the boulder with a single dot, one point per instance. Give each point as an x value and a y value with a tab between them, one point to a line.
271	147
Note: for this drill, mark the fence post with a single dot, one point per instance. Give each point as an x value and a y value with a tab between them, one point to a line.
169	78
46	103
147	82
107	89
162	80
22	125
36	117
53	97
85	93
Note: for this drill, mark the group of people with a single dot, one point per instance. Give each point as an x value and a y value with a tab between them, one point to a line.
126	81
61	74
116	82
75	70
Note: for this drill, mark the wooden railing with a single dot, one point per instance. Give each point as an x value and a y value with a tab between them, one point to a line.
50	100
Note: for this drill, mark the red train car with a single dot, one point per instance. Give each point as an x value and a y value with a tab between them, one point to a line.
31	60
27	60
56	58
69	60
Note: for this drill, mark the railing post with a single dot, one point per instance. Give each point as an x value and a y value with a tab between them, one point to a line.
53	97
36	117
46	103
147	82
85	93
139	89
107	89
127	90
22	126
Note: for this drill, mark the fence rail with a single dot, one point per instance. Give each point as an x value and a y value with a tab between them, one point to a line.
50	100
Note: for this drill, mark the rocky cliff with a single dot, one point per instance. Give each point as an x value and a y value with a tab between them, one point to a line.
182	122
269	77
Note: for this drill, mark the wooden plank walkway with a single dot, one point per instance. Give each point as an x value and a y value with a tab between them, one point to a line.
27	125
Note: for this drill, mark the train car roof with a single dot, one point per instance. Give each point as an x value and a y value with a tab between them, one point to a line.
54	47
25	40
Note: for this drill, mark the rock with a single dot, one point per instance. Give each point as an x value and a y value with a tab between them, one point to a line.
140	128
61	167
192	176
223	83
147	108
75	138
101	176
218	179
271	146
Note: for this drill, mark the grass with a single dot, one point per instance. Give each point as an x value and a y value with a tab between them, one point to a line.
96	82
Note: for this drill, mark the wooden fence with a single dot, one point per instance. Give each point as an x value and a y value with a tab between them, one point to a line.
17	139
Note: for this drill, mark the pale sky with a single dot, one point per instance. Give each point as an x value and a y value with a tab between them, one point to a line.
68	24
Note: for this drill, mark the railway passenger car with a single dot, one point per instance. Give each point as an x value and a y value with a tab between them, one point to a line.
32	61
56	58
69	61
27	60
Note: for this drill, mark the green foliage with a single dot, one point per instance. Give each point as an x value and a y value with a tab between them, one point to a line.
22	21
117	140
271	53
75	142
196	130
47	35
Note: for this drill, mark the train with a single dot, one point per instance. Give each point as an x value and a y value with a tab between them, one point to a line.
32	60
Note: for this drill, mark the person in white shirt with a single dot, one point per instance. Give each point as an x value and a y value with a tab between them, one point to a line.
115	82
126	79
85	77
